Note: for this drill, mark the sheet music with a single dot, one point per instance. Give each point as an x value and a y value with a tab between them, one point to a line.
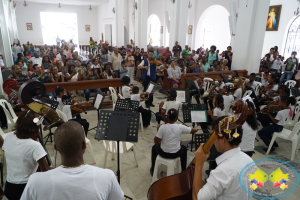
98	101
150	88
180	96
199	116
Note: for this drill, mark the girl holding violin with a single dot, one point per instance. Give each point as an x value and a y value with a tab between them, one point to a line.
23	155
66	105
266	133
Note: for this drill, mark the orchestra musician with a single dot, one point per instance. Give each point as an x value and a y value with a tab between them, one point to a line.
148	70
223	182
270	90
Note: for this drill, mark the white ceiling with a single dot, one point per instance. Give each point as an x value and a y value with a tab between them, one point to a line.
66	2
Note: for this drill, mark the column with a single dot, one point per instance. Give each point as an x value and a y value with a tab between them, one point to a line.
120	22
250	34
178	22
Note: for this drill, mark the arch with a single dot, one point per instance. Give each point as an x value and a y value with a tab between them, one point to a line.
213	28
153	30
291	40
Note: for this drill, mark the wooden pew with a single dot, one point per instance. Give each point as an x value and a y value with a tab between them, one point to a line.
212	75
82	85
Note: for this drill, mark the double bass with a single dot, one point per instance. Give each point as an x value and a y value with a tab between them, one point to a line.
179	186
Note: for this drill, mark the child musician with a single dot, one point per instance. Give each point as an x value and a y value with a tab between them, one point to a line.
170	103
266	133
167	141
68	109
125	87
23	155
146	114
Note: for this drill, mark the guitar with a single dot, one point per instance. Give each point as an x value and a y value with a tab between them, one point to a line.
179	186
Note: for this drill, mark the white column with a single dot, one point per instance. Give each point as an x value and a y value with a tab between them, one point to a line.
192	21
174	21
119	11
250	34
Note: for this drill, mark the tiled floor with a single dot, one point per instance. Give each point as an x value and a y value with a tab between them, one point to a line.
135	181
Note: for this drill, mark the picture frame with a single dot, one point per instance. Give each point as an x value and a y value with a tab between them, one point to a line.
29	26
190	29
273	18
87	28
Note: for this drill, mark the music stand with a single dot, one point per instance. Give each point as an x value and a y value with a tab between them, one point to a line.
183	95
97	104
126	130
186	109
127	105
151	87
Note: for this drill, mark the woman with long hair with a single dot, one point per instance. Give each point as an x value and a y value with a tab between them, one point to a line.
45	63
23	155
238	93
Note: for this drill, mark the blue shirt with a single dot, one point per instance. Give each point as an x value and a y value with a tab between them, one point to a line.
123	74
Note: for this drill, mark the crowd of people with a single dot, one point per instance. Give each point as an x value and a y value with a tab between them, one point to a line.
61	63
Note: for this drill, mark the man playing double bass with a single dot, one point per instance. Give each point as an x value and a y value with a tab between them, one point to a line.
223	182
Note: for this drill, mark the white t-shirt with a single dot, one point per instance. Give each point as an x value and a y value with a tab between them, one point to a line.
126	92
281	116
274	88
66	109
136	97
227	100
218	112
248	138
74	78
172	104
36	61
170	136
95	66
85	182
21	158
238	94
253	85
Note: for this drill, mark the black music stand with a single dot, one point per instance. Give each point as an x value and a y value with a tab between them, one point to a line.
126	131
186	109
97	104
127	105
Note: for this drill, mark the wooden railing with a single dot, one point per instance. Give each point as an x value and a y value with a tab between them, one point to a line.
82	85
191	76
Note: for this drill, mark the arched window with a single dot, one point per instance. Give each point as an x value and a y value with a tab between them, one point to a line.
293	38
154	30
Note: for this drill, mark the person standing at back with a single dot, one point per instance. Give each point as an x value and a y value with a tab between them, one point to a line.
72	179
212	55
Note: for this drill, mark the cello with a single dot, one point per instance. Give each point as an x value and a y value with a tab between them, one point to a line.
179	186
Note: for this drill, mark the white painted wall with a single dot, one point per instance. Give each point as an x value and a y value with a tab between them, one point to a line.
278	38
31	14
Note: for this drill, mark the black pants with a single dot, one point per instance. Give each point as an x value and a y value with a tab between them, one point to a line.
146	83
150	100
83	123
117	72
265	120
267	132
182	153
73	112
14	191
146	116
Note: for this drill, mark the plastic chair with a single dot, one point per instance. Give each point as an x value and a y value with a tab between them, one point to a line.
286	134
228	108
114	96
120	96
229	84
111	147
87	141
291	122
171	164
10	114
290	83
248	92
257	89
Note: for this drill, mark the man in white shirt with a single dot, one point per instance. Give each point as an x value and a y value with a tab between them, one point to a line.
36	59
17	48
58	56
73	179
223	182
148	70
251	81
58	41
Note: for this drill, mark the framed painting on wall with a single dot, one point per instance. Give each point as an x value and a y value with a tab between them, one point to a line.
190	29
29	26
87	28
273	18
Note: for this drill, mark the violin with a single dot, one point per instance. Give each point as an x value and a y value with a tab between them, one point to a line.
155	61
269	86
179	186
269	105
79	107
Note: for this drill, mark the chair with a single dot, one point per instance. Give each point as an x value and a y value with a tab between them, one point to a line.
87	141
171	164
290	83
114	96
288	135
290	122
111	147
231	85
257	89
120	96
10	114
248	92
297	98
228	108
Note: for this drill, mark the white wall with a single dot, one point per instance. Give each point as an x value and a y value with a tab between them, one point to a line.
31	14
278	38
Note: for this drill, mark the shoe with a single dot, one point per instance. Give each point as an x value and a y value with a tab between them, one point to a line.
151	171
152	105
275	145
266	149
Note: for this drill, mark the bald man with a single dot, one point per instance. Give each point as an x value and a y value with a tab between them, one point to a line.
72	179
